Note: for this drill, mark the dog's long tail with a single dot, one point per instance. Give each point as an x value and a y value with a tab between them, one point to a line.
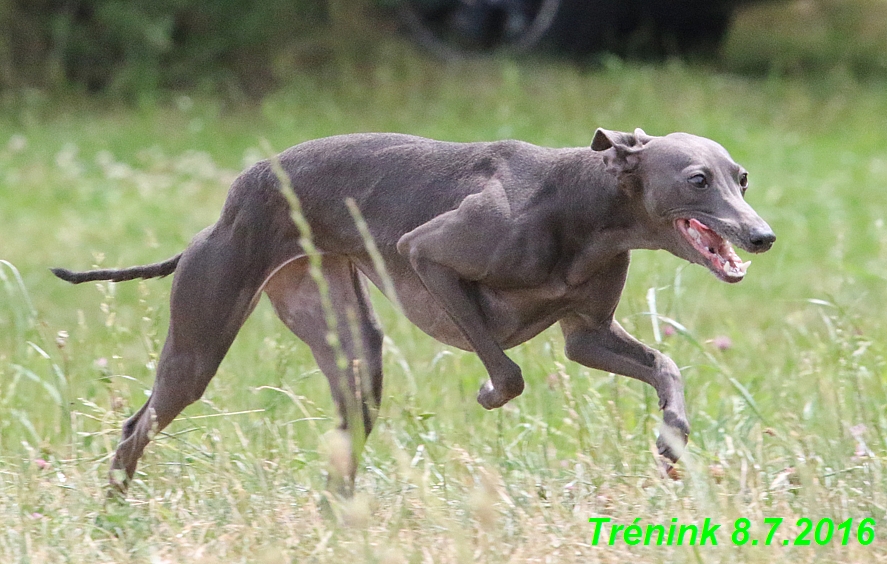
155	270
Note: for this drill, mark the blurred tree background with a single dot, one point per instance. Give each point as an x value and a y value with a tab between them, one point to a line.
247	47
131	46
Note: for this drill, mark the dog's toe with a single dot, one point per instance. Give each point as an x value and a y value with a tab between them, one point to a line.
489	397
673	435
668	470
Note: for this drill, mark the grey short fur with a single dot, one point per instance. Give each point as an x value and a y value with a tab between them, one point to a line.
487	244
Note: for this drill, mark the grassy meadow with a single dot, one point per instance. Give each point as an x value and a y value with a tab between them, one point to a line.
785	372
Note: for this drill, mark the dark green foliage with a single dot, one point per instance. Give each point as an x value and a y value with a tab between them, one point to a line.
130	46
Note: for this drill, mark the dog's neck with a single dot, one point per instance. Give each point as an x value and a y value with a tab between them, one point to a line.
599	218
595	205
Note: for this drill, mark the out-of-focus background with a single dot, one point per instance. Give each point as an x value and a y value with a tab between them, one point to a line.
134	47
122	123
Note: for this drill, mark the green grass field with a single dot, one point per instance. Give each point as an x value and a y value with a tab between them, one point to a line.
785	372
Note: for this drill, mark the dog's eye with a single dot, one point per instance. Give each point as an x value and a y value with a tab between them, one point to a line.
699	180
743	181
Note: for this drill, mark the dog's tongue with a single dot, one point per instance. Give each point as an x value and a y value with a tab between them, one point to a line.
717	250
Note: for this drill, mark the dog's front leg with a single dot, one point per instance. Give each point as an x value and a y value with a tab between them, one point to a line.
448	254
453	293
610	348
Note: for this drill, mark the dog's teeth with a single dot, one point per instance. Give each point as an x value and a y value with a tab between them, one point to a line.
744	266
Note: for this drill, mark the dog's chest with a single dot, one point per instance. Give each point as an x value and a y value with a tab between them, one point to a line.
512	315
517	315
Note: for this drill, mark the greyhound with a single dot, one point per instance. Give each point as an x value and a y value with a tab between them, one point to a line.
485	246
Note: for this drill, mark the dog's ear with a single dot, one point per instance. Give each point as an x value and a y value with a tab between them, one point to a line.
641	137
605	139
621	151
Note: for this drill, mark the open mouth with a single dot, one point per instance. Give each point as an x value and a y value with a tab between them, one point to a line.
717	251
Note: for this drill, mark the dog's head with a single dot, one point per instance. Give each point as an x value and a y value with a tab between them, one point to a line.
693	194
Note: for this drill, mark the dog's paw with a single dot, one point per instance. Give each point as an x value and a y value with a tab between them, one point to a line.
673	435
118	483
668	471
491	398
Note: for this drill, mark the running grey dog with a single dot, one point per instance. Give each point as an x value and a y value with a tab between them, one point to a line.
487	245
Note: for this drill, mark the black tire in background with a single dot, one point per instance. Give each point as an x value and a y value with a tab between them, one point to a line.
635	28
458	28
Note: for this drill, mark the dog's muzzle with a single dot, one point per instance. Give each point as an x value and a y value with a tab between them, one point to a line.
716	251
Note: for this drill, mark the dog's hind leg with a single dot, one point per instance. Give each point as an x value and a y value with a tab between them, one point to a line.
216	284
352	361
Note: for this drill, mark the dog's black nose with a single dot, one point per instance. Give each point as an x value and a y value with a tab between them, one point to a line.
761	239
